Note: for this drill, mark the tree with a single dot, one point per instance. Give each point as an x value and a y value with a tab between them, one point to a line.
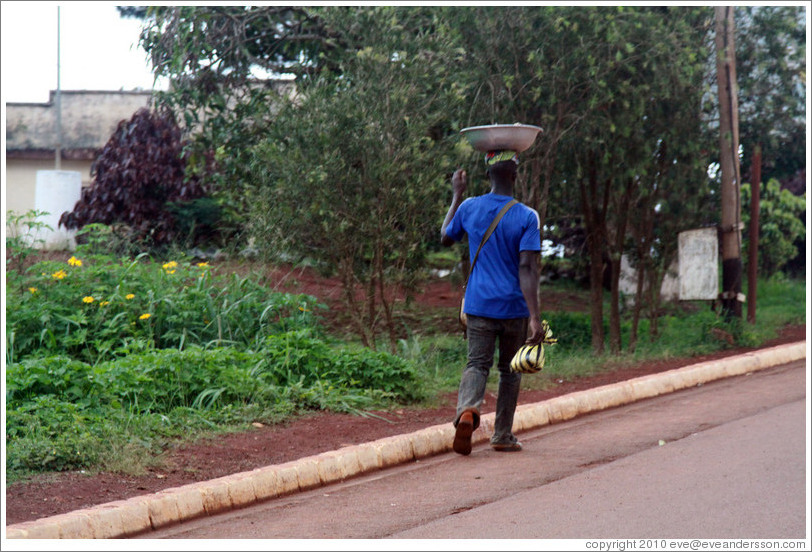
523	73
640	93
771	76
618	91
771	80
225	65
139	174
350	174
779	225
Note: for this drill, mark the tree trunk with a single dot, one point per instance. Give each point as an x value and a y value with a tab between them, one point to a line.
594	219
644	236
385	304
371	316
353	307
596	295
655	282
617	254
548	166
642	228
638	300
752	268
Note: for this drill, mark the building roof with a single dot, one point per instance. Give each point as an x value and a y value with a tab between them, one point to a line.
89	118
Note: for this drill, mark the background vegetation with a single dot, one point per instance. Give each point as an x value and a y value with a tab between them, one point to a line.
326	136
106	357
375	97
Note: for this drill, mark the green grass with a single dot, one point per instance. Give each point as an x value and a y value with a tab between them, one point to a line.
684	332
779	301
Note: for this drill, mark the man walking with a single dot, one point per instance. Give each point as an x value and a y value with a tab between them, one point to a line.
501	297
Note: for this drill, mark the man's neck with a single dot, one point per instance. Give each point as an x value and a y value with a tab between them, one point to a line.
500	188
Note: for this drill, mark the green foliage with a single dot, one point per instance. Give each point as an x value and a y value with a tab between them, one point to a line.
300	357
66	414
61	376
96	240
683	333
350	173
197	220
96	309
572	329
780	301
163	380
439	360
22	236
781	225
212	55
618	92
771	76
107	359
693	334
63	413
622	94
49	434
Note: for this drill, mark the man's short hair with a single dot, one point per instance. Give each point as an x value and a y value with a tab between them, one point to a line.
502	170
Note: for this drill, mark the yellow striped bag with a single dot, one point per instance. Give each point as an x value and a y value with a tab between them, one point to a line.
529	359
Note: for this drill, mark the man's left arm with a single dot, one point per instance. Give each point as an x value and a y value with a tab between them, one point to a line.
529	283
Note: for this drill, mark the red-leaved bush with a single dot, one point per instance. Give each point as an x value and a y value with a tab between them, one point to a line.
139	172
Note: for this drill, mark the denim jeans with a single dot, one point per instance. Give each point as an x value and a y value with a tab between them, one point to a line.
483	334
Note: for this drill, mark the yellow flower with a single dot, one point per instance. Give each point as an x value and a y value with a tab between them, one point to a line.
144	316
59	274
87	299
73	261
104	303
170	271
203	264
129	296
304	309
32	289
170	264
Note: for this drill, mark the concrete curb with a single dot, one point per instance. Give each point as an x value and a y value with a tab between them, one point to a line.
136	515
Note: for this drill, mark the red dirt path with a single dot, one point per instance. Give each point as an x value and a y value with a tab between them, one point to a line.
68	491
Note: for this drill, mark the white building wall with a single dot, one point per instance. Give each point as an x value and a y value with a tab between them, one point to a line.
22	175
89	118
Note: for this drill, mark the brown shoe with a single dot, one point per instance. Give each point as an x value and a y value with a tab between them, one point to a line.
462	438
515	446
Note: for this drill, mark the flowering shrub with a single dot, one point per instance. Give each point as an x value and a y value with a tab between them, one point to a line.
111	358
94	309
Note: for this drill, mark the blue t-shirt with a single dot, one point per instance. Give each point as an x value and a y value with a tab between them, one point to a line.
493	288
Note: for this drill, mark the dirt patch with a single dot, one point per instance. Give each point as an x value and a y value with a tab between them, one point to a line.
53	494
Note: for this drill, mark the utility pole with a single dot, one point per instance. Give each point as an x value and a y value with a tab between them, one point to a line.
731	224
58	99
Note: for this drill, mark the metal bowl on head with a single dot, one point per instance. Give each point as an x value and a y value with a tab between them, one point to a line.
516	137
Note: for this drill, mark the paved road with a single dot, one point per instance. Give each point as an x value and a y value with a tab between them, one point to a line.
720	461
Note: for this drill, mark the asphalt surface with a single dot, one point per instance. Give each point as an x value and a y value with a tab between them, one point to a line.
719	461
